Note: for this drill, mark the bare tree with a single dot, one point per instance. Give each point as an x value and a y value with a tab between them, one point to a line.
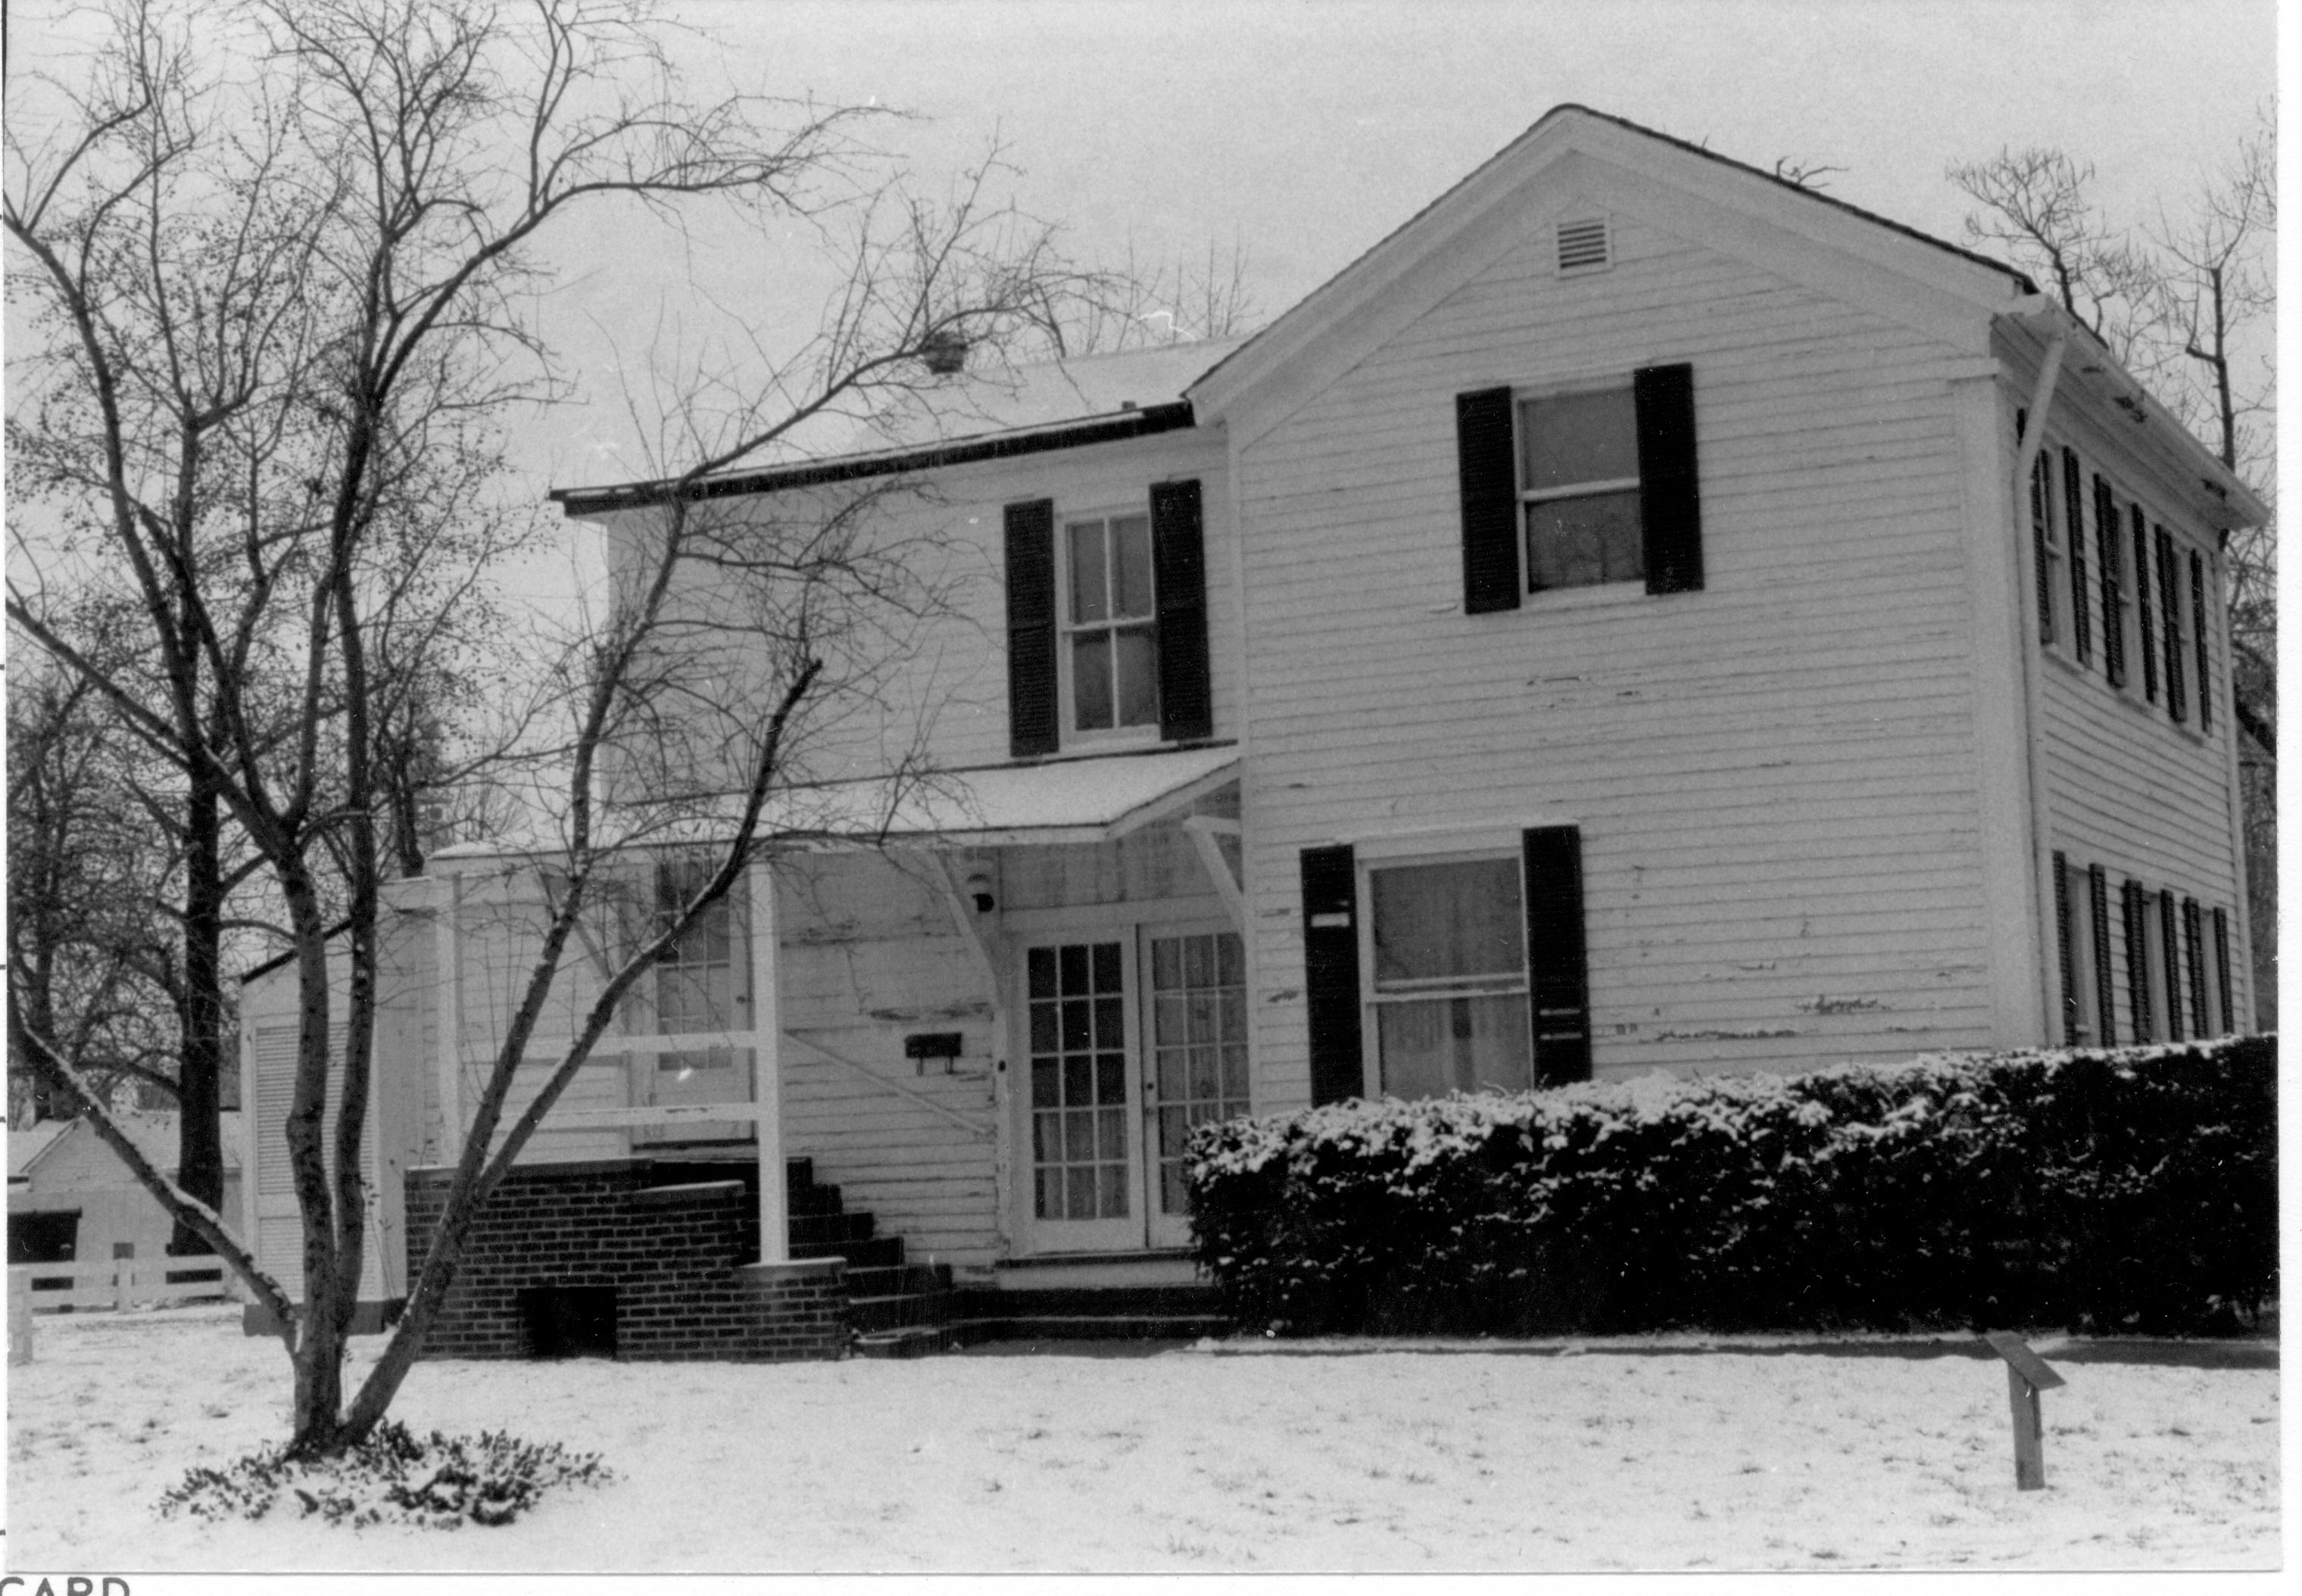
88	943
2186	302
264	294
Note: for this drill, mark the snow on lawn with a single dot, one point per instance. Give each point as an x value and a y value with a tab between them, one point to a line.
1657	1455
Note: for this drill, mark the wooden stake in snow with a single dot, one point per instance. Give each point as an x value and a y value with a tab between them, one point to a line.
2027	1375
20	1317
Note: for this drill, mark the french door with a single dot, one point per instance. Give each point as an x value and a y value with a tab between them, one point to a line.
1131	1038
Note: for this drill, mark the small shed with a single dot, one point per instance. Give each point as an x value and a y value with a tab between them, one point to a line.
71	1199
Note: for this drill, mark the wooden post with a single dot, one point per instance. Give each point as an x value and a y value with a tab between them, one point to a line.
767	1066
20	1317
2027	1375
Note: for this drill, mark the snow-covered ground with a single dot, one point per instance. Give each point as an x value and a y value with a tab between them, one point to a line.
1656	1454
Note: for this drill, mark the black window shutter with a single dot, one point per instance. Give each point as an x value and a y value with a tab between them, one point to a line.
2067	950
2170	942
2194	964
2074	498
2136	903
2105	987
1331	972
1670	503
1033	713
2148	623
2107	531
1559	981
2222	970
2042	477
1179	562
2170	623
2205	649
1485	457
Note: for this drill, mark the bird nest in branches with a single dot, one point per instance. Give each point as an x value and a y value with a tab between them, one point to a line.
439	1482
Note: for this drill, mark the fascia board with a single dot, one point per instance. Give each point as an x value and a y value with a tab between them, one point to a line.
2159	446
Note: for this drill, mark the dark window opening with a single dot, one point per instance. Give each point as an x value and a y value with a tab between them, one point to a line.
569	1321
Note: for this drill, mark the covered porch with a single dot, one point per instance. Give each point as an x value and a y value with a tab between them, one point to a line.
986	1016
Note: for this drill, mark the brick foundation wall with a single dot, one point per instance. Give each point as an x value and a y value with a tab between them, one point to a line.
681	1258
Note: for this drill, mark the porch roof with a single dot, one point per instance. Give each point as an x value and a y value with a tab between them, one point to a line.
1090	798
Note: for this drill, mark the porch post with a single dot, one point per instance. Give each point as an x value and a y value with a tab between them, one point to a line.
448	1014
767	1067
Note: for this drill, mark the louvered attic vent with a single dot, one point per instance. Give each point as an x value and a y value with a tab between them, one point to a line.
1582	245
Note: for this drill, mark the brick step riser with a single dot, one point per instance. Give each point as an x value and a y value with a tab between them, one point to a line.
867	1313
896	1281
1096	1302
885	1253
1117	1327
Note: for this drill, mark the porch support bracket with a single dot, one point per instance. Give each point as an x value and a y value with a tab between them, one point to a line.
1203	830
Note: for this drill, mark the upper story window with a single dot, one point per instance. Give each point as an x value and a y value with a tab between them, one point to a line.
2047	547
1579	487
1111	623
1107	622
1579	483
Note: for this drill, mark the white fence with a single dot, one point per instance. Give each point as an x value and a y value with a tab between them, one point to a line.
119	1283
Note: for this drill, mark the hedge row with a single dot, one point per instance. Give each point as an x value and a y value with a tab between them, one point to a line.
2130	1190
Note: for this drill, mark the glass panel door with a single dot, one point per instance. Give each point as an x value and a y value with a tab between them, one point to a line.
1085	1192
1198	1044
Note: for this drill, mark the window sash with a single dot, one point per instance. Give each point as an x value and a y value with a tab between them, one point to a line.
1110	623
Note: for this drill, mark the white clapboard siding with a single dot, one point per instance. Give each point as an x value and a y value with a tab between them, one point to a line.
869	955
1776	779
2127	788
941	684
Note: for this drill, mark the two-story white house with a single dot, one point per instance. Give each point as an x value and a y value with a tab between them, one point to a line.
1642	614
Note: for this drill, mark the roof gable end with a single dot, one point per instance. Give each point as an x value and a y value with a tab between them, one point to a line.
1575	156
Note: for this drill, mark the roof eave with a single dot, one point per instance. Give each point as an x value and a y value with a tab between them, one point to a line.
1111	427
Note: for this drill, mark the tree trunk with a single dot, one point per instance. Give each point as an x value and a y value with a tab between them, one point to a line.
200	1064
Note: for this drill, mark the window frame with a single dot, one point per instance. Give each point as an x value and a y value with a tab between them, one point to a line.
1068	630
1412	852
1522	396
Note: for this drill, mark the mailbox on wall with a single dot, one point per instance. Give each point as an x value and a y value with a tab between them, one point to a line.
920	1047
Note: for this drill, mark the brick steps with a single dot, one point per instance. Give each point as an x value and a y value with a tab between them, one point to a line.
1091	1313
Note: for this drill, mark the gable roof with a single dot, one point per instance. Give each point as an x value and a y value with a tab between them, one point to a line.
1438	229
26	1143
152	1130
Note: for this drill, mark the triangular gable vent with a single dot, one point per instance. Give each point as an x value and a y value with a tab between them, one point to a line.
1582	245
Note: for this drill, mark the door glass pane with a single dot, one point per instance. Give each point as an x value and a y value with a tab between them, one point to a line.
1200	1040
1078	1081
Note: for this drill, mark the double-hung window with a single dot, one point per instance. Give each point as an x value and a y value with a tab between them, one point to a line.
1447	949
1579	485
1107	622
1111	623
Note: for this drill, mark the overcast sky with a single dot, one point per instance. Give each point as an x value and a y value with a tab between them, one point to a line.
1303	130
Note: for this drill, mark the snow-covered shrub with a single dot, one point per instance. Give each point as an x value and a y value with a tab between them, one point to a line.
441	1482
2123	1189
